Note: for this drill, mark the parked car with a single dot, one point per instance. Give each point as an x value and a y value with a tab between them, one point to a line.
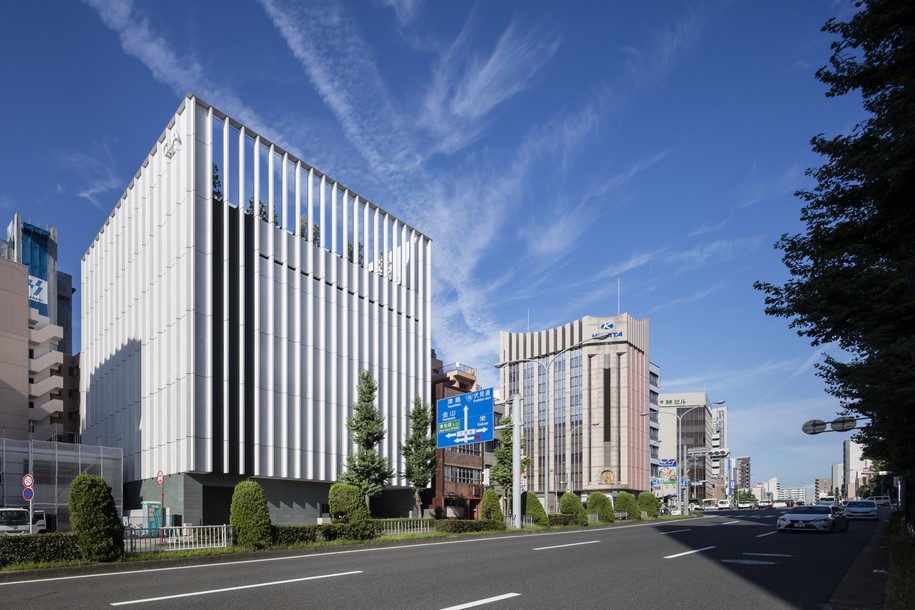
779	504
745	504
881	500
861	509
724	504
813	517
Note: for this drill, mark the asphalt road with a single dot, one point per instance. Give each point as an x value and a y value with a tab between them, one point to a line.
729	559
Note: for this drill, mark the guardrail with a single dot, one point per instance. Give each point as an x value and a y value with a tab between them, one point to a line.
400	527
176	538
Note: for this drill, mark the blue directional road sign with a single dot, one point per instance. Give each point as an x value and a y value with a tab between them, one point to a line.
465	419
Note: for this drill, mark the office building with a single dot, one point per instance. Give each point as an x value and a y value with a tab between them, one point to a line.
230	302
742	472
654	426
686	418
856	468
838	481
822	487
584	387
719	442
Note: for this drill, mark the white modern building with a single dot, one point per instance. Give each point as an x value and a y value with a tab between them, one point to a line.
838	480
856	468
687	426
584	387
230	302
719	441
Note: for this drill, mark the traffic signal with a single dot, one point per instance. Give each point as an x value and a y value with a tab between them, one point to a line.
719	453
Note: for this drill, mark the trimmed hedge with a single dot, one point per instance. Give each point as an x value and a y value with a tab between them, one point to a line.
462	526
570	504
561	520
599	504
347	506
625	503
489	506
249	516
94	518
39	548
650	503
532	507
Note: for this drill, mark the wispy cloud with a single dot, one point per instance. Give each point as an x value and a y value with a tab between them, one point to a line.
181	73
715	252
7	204
406	10
340	66
466	88
646	67
698	295
97	175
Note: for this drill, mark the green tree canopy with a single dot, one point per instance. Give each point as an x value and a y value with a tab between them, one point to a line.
419	450
501	471
853	271
365	468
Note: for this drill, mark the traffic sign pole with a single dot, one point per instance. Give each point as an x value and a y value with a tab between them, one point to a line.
28	493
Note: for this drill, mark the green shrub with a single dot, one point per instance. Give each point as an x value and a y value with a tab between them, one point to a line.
599	504
295	534
490	507
570	504
561	520
900	590
532	507
39	548
347	506
649	503
249	516
625	503
94	519
461	526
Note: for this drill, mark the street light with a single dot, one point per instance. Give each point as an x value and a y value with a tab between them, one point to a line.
547	367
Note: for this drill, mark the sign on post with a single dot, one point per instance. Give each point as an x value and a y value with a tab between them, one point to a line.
465	419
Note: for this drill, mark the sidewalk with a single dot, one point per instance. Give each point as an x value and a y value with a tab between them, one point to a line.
864	585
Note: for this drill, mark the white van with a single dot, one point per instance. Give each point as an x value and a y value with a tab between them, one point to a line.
881	500
724	504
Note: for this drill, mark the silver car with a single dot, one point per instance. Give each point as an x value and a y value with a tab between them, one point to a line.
861	509
814	518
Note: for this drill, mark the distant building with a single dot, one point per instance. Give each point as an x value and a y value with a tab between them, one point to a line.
693	426
719	441
822	487
856	468
654	426
838	481
795	494
583	406
742	472
37	370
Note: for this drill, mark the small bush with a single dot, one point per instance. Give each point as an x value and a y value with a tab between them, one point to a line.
295	534
570	504
462	526
533	508
249	516
94	519
347	505
649	503
599	504
625	503
490	508
561	520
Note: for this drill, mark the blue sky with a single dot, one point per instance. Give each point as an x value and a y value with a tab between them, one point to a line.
553	151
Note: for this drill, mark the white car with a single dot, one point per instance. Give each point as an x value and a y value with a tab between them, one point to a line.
881	500
861	509
745	504
779	504
813	517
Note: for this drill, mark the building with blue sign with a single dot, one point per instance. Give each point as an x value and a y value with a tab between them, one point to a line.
39	391
584	388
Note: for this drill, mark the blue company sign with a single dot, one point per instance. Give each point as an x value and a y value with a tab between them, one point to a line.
465	419
607	329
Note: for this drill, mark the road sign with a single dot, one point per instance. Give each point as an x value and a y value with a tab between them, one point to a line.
465	419
160	477
28	493
28	480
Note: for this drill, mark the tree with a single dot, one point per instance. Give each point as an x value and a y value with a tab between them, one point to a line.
419	450
501	472
531	506
649	503
626	503
94	519
217	185
249	515
365	469
853	271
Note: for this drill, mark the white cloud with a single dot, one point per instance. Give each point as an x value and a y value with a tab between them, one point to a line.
406	10
97	175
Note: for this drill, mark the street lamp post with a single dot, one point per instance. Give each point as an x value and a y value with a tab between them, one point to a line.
546	449
569	462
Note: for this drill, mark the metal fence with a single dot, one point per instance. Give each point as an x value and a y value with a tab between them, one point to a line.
177	538
399	527
526	521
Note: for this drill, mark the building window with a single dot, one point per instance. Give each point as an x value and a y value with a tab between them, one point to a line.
470	449
456	474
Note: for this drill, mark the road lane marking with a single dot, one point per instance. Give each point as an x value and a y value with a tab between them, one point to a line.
559	546
689	552
239	588
481	602
766	534
677	531
752	562
766	554
730	522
